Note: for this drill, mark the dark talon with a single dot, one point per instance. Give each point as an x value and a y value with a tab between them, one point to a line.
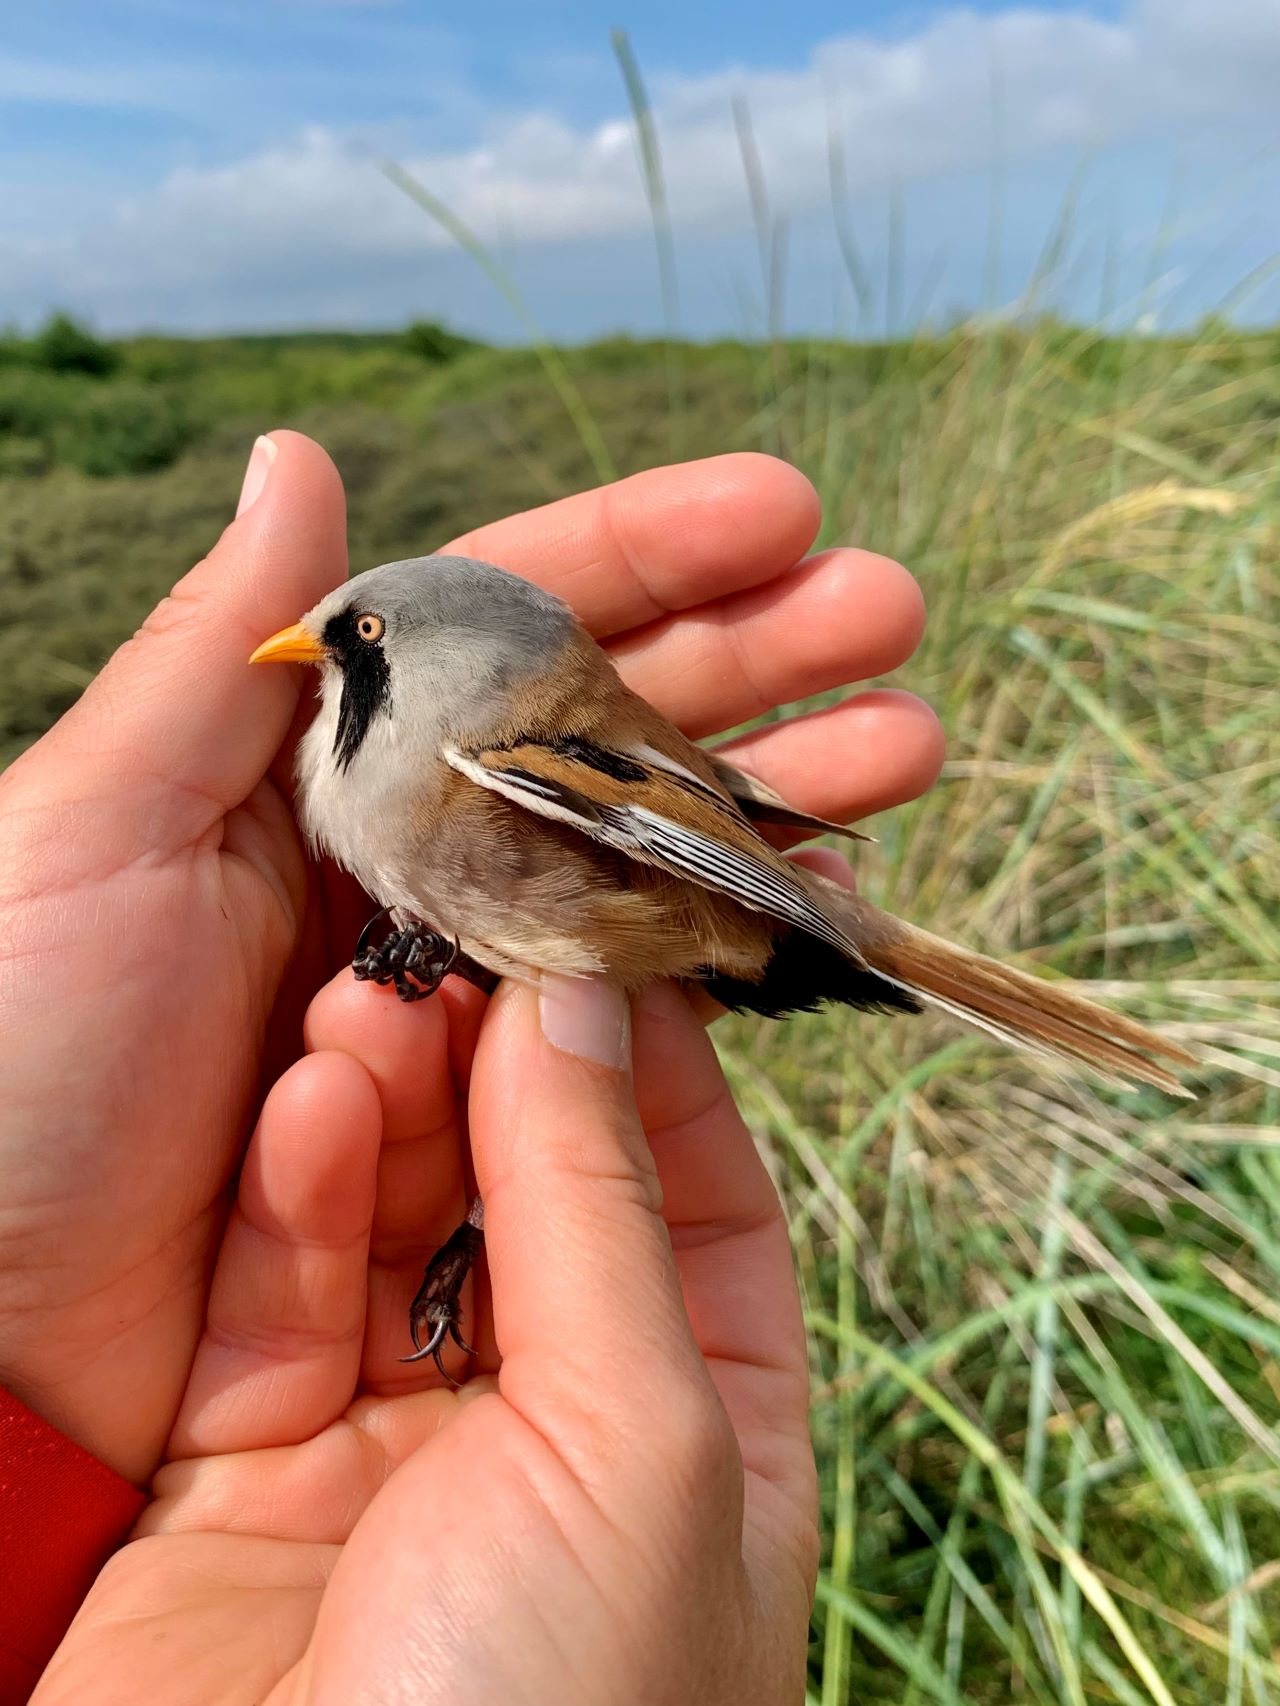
436	1304
431	1348
456	1336
415	958
363	944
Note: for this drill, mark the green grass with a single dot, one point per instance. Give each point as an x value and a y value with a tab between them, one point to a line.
1045	1318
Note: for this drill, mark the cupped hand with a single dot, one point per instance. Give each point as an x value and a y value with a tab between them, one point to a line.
625	1511
161	927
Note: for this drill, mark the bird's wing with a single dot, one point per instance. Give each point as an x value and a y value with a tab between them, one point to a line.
762	805
644	804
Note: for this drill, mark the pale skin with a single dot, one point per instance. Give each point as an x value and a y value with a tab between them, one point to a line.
617	1507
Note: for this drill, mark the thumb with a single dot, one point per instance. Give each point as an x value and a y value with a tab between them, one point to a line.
587	1306
177	716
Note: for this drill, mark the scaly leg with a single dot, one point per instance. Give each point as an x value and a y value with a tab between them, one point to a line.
435	1308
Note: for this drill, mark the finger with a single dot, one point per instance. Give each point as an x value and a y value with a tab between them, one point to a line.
465	1005
826	862
663	540
316	1491
729	1236
875	750
838	617
177	711
587	1310
281	1348
421	1194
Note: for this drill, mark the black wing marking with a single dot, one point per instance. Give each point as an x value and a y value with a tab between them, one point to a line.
761	882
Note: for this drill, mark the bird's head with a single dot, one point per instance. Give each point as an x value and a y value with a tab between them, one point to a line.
432	644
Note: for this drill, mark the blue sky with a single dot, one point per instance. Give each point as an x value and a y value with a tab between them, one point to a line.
202	164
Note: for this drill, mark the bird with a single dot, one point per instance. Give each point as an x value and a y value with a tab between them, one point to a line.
513	808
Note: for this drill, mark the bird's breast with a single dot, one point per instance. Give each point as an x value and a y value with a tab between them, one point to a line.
359	812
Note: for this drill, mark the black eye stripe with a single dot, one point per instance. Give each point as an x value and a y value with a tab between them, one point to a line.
366	680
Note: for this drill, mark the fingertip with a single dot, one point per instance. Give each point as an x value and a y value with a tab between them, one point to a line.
329	1008
838	616
886	597
747	513
347	1009
287	548
826	862
311	1171
752	481
911	610
892	744
261	458
306	467
876	749
178	708
286	1311
920	740
402	1047
661	540
281	553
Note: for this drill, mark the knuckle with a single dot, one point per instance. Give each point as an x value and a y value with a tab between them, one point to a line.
627	1175
176	610
701	1448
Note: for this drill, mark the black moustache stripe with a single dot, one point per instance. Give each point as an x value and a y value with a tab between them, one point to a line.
366	684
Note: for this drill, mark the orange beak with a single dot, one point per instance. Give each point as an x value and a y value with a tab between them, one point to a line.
290	645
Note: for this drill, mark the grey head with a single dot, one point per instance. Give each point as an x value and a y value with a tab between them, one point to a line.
431	642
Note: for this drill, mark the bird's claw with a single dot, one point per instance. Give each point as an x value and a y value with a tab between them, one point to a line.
416	958
435	1309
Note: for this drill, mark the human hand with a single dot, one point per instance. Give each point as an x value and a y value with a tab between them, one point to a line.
162	927
620	1510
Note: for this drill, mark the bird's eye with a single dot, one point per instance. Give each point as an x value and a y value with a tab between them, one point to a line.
370	627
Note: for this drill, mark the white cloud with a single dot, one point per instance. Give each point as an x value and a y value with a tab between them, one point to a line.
915	108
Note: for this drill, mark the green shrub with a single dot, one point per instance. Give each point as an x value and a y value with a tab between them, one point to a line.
64	346
435	343
32	402
162	360
123	428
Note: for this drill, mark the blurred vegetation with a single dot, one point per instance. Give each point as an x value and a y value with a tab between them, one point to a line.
1046	1342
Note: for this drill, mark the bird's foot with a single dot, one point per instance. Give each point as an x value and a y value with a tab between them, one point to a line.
416	958
435	1313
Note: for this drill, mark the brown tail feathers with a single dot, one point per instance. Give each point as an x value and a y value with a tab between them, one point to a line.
1025	1011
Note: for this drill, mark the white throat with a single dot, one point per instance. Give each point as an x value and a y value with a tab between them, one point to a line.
356	813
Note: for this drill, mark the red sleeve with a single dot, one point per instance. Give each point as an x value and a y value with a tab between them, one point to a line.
62	1513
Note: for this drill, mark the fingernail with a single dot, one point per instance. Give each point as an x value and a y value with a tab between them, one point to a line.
261	457
586	1016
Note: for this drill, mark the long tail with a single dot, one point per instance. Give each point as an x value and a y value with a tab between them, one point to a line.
1025	1011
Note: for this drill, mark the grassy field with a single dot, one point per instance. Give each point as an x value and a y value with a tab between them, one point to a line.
1045	1319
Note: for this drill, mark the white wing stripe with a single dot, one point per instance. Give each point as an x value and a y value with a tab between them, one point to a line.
748	881
524	791
659	760
636	829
